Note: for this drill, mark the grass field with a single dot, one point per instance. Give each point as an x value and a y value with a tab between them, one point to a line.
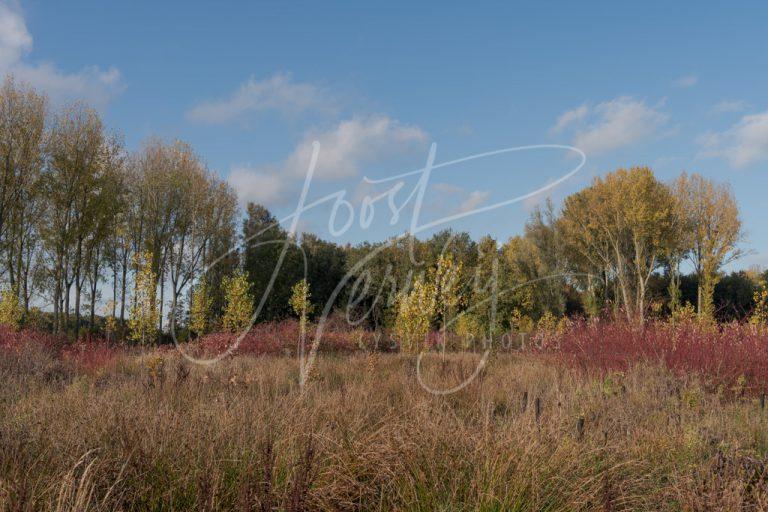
150	431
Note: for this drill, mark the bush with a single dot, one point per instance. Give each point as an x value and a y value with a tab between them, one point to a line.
727	356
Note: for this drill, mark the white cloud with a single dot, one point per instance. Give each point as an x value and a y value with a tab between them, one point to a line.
15	40
449	194
253	185
465	130
344	151
612	124
278	92
745	143
447	188
569	117
93	84
476	198
351	144
686	81
730	106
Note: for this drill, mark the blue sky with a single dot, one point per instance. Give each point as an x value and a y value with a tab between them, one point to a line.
676	86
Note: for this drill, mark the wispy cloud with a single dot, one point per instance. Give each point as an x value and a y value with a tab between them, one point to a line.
569	117
278	92
686	81
730	106
345	150
743	144
448	195
612	124
476	198
93	84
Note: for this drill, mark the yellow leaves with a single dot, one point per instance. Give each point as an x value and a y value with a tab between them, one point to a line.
447	278
142	324
415	311
711	228
300	299
110	322
10	308
759	317
300	304
200	309
155	365
683	314
520	322
469	329
622	224
239	303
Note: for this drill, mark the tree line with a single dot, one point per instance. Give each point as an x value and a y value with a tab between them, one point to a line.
81	217
158	240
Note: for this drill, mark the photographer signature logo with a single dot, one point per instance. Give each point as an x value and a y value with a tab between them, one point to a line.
395	198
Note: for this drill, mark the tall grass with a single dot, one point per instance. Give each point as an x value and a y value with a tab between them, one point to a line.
147	431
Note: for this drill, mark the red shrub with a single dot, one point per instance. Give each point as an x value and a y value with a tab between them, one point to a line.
282	338
13	340
728	355
88	354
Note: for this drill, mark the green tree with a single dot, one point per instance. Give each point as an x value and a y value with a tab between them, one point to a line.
271	260
326	267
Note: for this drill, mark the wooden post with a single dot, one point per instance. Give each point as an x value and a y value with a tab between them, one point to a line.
580	428
537	408
762	401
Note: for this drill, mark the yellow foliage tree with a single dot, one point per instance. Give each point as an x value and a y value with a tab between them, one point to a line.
759	317
239	303
301	304
10	309
621	226
200	309
447	277
469	329
110	322
712	228
142	324
415	311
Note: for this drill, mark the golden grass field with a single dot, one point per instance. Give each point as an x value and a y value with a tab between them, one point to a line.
151	431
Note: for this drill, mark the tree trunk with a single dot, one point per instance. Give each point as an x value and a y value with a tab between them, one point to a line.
124	271
94	285
57	297
78	285
162	295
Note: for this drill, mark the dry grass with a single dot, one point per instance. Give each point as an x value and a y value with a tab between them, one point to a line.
152	432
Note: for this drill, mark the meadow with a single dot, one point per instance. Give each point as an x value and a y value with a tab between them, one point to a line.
651	425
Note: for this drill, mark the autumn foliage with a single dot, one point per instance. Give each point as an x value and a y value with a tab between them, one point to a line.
731	357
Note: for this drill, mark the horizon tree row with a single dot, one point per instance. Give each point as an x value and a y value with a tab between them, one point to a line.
157	239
